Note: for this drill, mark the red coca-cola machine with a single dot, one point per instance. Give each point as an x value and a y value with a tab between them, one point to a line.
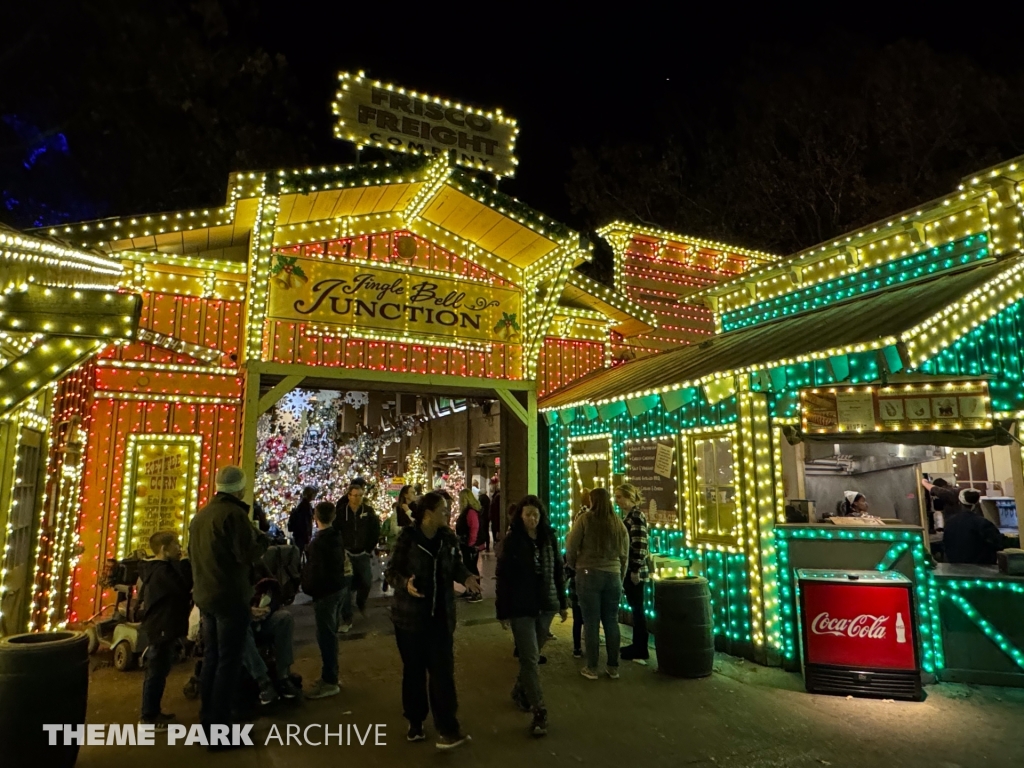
859	634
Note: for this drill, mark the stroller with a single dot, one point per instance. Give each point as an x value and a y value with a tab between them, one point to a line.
279	566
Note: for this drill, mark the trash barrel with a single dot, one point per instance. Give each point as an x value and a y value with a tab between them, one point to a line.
44	678
684	638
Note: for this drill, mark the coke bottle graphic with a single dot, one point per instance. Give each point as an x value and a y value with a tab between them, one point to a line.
901	630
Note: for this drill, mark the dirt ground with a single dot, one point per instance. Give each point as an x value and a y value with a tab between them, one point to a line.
744	715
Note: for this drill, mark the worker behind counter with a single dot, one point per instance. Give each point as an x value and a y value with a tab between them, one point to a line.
969	537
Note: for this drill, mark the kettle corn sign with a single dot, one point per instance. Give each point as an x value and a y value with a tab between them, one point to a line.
392	302
386	116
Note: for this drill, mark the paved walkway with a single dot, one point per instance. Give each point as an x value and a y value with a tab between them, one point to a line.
743	716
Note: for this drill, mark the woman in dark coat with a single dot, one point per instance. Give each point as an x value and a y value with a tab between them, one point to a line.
423	569
530	591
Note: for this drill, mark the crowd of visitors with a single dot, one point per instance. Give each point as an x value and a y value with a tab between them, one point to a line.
246	627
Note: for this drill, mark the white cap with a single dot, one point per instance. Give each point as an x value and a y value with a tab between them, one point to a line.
230	479
851	496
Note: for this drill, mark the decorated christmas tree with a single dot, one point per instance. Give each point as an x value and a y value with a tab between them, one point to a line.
455	480
416	470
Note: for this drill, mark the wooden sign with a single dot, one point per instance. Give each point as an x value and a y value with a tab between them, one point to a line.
394	303
382	115
162	491
939	405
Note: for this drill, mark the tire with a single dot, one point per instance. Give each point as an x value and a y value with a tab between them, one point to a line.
124	659
44	678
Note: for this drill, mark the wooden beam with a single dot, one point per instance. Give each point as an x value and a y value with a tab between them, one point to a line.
247	449
407	383
282	388
513	405
532	448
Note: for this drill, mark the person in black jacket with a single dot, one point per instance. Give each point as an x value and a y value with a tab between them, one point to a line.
423	568
969	536
300	521
360	530
324	578
167	600
530	591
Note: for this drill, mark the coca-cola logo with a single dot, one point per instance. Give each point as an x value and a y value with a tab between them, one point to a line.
863	626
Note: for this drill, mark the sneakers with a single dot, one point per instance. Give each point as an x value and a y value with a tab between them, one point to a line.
159	722
588	673
539	726
322	690
475	597
288	689
519	697
577	653
452	741
415	733
629	653
344	629
613	672
268	693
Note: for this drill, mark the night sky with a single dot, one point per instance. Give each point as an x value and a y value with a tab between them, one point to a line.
571	80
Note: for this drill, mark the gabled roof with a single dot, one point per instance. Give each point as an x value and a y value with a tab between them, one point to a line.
877	321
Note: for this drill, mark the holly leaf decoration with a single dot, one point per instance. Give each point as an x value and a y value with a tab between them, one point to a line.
283	262
510	320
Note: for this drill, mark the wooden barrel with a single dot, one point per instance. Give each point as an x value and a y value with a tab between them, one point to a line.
44	678
684	636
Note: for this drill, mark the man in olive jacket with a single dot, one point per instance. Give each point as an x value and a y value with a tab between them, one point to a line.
223	545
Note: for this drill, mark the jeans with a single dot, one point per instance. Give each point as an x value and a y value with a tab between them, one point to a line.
277	631
325	610
530	633
635	598
577	625
470	556
362	578
159	657
599	595
224	636
429	651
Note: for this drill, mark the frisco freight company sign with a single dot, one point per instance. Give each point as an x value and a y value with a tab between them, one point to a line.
394	304
382	115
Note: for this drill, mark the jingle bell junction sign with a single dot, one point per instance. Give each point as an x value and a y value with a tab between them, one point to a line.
401	303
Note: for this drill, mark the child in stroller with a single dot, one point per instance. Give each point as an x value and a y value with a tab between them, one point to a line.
267	657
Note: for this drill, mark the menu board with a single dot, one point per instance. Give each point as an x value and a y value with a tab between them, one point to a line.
932	406
652	469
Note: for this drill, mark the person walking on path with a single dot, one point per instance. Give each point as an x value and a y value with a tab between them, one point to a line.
167	601
629	501
300	521
360	530
422	570
494	513
468	529
570	583
326	578
485	520
223	546
597	549
403	506
530	591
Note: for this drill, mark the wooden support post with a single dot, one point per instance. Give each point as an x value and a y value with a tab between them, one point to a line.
250	415
513	405
282	388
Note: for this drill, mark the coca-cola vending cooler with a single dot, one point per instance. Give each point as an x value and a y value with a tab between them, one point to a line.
859	633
